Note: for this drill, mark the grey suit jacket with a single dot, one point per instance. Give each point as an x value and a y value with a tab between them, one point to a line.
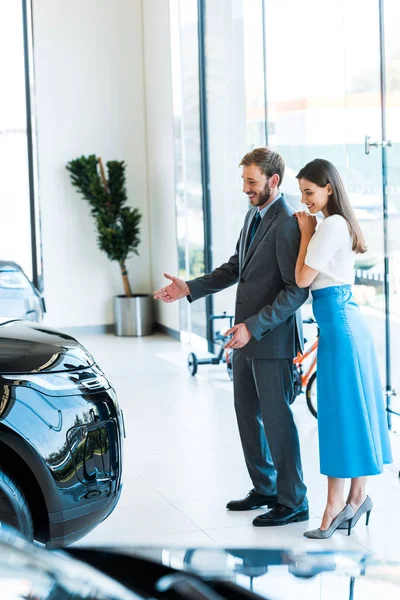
267	298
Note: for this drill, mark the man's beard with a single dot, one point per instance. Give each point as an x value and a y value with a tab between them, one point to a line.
264	196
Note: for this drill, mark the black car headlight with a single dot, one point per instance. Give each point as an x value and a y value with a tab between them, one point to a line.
63	383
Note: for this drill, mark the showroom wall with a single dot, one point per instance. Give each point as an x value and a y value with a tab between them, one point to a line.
90	98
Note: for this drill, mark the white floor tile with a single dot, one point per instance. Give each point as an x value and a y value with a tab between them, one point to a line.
140	525
136	491
210	513
390	476
288	536
200	484
382	533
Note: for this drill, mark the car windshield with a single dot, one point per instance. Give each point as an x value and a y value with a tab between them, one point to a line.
13	280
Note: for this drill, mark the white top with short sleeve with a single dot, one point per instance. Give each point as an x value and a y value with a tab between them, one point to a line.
330	252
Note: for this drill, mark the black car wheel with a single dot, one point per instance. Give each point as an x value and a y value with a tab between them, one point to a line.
311	395
14	509
192	363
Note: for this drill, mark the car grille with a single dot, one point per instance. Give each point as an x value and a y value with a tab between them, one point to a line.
92	384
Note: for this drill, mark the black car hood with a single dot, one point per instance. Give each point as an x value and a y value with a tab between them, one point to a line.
31	348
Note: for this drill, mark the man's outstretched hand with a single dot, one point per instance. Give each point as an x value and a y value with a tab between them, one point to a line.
174	291
240	336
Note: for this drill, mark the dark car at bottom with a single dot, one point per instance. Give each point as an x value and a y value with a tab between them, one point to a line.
180	573
61	436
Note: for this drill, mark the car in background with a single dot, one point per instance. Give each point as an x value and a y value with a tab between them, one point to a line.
61	435
18	296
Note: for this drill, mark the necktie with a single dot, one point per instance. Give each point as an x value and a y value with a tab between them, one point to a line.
254	227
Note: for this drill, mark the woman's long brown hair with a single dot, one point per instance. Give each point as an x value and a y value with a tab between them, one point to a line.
321	172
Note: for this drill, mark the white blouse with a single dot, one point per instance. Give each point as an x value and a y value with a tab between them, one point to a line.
330	252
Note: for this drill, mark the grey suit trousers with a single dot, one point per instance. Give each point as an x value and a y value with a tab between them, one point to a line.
263	390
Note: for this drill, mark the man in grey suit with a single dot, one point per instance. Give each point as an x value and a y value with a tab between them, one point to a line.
265	338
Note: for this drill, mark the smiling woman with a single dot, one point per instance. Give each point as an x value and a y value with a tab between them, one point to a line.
323	191
353	432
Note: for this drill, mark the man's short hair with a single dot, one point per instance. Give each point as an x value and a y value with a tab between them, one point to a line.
267	160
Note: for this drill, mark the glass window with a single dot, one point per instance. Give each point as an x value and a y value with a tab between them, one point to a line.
15	222
189	191
313	69
323	99
392	107
236	119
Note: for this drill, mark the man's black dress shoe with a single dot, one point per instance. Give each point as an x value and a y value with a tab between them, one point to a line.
282	515
252	500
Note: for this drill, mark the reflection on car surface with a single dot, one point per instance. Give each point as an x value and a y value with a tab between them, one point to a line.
61	435
168	573
18	296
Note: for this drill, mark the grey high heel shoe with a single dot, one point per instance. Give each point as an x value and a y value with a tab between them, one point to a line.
346	515
365	507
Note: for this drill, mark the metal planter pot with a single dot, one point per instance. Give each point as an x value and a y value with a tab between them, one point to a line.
133	316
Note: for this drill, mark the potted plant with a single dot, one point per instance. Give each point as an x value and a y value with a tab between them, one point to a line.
118	234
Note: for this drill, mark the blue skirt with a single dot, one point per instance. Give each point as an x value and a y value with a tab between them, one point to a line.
352	422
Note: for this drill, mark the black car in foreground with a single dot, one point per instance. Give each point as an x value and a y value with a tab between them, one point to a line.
61	436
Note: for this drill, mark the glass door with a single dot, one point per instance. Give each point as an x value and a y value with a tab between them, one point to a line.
323	100
188	167
363	168
391	157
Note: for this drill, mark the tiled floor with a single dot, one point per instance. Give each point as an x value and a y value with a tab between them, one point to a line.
183	459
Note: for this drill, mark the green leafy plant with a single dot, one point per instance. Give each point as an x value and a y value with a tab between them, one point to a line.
117	224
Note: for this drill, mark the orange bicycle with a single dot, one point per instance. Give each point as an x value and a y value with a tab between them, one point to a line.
308	378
